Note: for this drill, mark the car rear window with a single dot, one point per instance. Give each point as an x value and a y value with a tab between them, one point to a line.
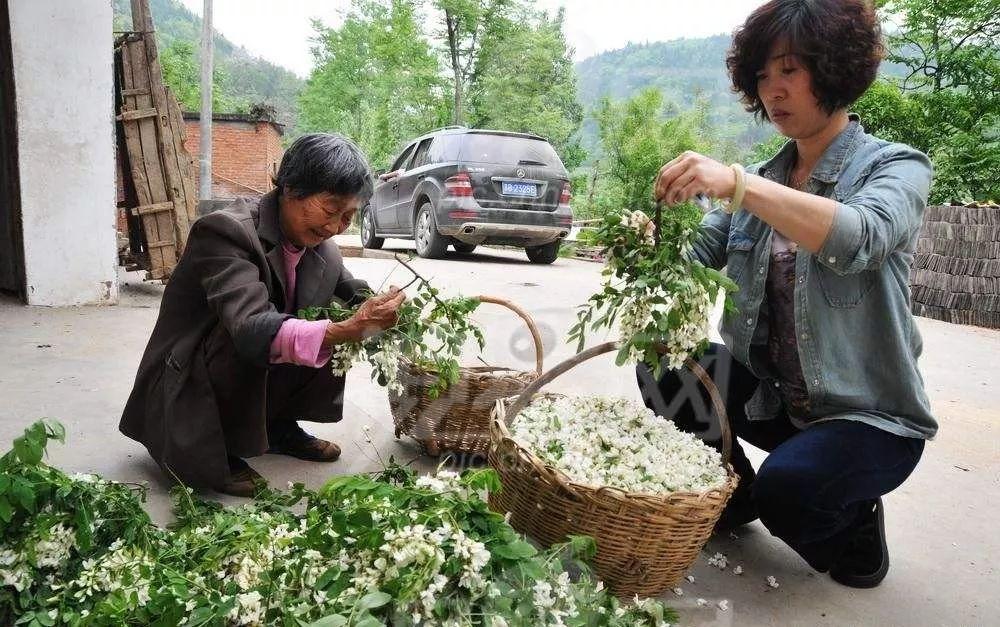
507	150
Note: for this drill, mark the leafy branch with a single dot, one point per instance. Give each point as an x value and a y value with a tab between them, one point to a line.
652	288
430	333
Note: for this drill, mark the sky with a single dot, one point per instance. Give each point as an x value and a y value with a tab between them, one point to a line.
280	31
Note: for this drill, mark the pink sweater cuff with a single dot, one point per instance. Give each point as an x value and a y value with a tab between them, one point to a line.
300	342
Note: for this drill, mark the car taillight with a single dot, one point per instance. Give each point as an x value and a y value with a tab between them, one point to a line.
565	195
459	185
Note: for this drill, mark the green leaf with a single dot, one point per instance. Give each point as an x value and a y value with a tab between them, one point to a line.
201	615
582	547
334	620
373	600
622	357
518	549
27	451
328	577
6	511
56	430
22	491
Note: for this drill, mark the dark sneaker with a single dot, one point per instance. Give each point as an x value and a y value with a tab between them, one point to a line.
865	562
739	511
294	441
243	480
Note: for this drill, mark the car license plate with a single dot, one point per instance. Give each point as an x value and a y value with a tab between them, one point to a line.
509	188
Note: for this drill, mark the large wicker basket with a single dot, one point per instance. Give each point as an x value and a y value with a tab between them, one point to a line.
645	542
458	421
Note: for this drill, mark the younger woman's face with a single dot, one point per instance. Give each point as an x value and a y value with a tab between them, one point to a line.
784	86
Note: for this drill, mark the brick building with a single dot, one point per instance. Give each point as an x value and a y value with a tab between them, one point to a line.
246	151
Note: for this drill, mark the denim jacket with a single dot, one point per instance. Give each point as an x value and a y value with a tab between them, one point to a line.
857	341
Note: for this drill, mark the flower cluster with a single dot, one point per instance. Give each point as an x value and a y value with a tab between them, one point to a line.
122	569
659	296
646	309
554	600
618	443
641	223
430	332
53	548
364	550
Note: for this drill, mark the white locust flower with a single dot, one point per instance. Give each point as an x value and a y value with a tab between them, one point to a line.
616	442
642	224
719	560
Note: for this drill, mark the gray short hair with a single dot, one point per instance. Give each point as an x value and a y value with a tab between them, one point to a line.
325	162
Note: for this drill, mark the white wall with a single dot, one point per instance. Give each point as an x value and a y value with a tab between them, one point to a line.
62	58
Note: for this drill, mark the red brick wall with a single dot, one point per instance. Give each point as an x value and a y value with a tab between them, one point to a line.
244	156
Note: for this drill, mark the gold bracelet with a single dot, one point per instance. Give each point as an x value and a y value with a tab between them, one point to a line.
739	191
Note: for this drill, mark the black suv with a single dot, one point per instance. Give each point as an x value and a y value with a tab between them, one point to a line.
464	187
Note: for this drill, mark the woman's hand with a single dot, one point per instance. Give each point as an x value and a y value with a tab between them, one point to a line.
374	316
379	313
691	174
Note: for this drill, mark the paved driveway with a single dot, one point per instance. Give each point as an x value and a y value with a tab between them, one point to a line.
77	365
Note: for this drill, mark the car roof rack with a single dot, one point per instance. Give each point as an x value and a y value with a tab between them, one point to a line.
446	128
487	131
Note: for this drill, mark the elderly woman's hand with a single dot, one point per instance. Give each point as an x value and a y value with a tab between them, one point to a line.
378	313
375	315
691	174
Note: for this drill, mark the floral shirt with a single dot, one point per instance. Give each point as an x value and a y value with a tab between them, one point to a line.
782	345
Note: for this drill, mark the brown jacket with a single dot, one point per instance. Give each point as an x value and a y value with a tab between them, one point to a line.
200	391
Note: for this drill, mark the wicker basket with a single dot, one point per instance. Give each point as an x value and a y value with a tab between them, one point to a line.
458	421
645	542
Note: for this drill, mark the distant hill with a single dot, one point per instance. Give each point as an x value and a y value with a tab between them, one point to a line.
683	70
250	79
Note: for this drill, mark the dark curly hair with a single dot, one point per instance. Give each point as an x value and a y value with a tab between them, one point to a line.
839	42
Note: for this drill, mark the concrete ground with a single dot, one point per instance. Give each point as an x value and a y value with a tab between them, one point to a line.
77	365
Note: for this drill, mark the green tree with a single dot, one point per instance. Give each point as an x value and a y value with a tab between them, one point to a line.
525	81
636	140
465	25
376	79
948	106
182	73
766	149
945	44
241	79
889	113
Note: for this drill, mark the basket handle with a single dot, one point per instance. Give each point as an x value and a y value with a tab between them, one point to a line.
532	328
720	407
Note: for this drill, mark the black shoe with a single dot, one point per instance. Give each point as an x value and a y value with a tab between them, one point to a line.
865	561
739	511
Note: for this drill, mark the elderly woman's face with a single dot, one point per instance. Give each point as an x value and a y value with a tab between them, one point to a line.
311	220
784	85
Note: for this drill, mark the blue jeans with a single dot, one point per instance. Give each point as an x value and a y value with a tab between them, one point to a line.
814	483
